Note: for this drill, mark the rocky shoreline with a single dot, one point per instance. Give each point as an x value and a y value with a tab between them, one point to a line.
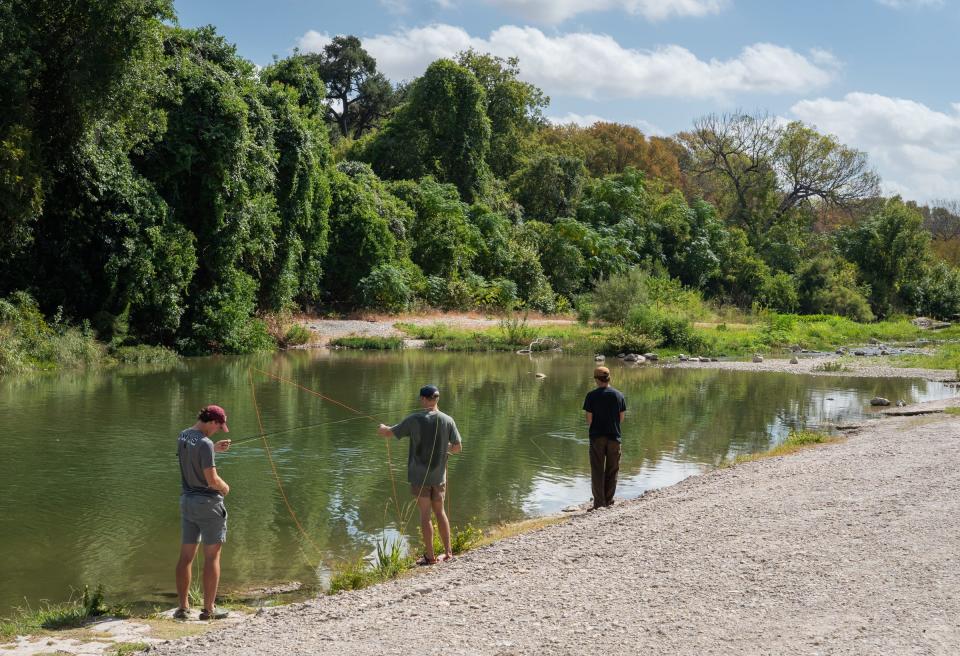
844	549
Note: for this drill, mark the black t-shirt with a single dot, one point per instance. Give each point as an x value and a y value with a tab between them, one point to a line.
606	404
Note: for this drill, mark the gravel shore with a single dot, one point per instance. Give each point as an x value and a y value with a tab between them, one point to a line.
858	368
844	549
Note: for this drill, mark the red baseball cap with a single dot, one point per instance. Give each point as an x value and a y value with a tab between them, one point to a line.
219	415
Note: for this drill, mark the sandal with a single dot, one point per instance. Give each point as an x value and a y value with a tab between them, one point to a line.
423	561
181	614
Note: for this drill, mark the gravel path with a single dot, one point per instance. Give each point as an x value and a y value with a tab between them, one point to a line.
846	549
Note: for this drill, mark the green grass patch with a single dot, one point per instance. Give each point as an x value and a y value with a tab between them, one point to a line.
954	410
369	343
831	366
74	612
796	441
127	648
144	354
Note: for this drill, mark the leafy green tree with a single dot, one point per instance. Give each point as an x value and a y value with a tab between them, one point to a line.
779	292
363	97
549	186
890	250
936	293
387	287
828	285
214	166
440	236
515	108
364	216
493	245
301	187
442	130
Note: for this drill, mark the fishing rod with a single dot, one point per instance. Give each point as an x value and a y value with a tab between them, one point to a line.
296	428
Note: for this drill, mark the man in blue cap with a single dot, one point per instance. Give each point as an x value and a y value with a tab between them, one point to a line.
433	436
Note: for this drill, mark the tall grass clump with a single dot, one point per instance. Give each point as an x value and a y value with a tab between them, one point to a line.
516	330
74	612
391	561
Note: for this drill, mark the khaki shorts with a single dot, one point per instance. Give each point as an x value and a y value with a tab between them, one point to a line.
432	492
203	518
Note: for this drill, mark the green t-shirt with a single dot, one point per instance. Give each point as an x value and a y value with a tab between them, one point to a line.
429	433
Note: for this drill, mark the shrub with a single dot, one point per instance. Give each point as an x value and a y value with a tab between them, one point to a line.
622	340
613	298
515	329
387	287
779	292
297	335
665	328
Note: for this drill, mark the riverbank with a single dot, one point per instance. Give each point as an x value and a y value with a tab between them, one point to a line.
847	548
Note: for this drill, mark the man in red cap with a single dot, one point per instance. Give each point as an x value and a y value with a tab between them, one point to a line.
203	517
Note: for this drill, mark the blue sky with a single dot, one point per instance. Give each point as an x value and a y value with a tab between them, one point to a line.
879	74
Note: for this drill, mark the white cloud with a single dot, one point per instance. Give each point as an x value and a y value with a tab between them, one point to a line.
557	11
911	4
915	148
583	120
589	65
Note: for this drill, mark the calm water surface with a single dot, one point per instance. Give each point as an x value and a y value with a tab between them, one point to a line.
90	482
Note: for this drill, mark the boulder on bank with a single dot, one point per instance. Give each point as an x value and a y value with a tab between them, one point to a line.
794	360
930	324
879	401
652	357
758	358
599	358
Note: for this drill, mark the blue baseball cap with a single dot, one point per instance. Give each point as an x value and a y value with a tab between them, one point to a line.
429	391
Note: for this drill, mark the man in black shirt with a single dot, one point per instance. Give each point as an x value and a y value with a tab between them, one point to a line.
605	407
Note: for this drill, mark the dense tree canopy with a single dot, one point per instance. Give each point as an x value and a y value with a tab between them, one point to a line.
162	188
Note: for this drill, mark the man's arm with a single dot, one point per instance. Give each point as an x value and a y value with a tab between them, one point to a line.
456	448
385	431
589	418
214	481
622	415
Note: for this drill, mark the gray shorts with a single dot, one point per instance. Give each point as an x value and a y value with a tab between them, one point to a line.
202	518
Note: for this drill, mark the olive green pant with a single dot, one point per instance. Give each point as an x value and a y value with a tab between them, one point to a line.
604	466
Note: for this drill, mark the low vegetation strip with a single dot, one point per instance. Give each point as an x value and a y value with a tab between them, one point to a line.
794	442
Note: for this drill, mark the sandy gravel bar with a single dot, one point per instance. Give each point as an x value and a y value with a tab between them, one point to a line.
850	548
327	329
859	368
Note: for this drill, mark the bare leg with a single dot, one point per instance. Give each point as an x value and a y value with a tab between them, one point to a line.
426	527
443	524
187	554
211	574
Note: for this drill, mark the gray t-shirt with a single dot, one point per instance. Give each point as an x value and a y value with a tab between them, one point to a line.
195	451
429	433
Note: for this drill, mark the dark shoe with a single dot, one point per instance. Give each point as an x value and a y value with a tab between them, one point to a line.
181	614
215	614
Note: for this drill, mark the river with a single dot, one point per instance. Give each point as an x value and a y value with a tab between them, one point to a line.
90	483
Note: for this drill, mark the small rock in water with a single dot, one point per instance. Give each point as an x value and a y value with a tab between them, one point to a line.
859	352
599	358
682	357
879	400
540	375
794	360
630	357
652	357
758	358
621	355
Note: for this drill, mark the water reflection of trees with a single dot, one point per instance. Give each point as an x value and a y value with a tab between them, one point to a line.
114	505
